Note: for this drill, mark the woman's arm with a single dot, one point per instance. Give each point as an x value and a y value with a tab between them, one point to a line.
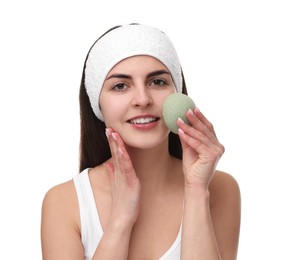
198	237
61	238
225	205
60	229
125	189
211	220
208	232
114	243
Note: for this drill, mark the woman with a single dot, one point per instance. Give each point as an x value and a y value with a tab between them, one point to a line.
143	192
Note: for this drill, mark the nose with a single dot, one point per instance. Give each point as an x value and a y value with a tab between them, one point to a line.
142	97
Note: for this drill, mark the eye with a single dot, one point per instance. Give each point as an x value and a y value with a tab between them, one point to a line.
119	87
159	82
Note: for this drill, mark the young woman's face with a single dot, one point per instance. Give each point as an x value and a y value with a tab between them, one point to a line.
132	97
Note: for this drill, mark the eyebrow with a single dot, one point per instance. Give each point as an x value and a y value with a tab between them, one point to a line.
149	75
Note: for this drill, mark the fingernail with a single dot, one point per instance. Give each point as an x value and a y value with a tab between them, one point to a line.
180	120
197	109
114	136
191	111
107	132
180	131
120	151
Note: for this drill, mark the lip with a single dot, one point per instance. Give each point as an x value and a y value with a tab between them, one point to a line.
144	126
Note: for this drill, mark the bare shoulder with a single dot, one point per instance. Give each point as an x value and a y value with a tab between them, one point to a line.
59	195
225	211
224	193
60	225
60	202
223	183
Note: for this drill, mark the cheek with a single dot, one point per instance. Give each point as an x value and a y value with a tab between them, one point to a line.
110	110
162	97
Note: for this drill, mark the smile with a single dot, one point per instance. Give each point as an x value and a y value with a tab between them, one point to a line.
143	120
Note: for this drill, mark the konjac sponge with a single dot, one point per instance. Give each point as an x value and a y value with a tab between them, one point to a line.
176	105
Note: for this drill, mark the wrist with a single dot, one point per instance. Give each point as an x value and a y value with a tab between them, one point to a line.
118	230
197	192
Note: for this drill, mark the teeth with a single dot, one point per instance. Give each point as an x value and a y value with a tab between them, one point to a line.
143	120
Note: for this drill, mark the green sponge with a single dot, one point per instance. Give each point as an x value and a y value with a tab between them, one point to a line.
176	105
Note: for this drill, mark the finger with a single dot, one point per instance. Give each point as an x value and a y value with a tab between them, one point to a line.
205	129
205	151
188	140
199	125
111	141
205	121
114	150
187	149
112	146
201	137
199	141
125	160
209	126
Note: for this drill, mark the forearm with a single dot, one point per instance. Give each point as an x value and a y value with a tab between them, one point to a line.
198	237
114	243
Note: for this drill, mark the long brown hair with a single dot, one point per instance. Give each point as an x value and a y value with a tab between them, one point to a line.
94	147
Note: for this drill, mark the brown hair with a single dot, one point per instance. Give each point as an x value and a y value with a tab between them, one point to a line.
94	147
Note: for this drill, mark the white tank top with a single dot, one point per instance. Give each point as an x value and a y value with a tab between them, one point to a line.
91	228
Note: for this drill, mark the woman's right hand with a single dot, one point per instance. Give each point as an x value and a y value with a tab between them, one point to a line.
125	185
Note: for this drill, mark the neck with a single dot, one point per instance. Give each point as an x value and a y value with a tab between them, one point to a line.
153	166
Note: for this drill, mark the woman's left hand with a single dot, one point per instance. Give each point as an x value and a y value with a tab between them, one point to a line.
201	149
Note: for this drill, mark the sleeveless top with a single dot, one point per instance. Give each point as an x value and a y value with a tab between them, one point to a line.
91	228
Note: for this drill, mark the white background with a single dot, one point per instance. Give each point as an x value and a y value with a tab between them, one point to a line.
233	57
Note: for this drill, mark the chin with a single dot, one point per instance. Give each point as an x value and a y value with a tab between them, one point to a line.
146	141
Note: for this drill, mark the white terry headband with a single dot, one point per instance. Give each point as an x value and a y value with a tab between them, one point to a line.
124	42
